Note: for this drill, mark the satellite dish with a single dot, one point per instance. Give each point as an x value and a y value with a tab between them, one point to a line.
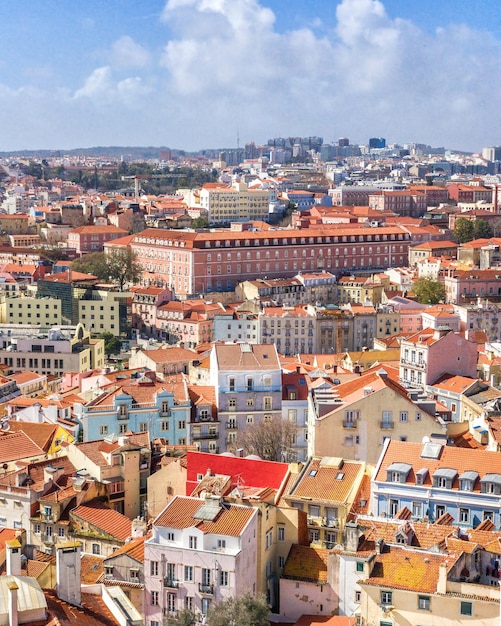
4	425
426	439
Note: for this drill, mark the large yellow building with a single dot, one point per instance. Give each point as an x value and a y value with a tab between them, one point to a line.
20	309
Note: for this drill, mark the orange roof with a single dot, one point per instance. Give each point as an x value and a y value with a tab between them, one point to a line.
306	562
459	459
321	481
106	520
133	548
179	513
17	446
405	568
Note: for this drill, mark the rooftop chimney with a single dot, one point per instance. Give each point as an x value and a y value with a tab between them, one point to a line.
13	556
13	617
68	572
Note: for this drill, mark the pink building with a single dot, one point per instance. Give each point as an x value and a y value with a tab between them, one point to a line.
93	238
145	301
428	354
200	552
466	286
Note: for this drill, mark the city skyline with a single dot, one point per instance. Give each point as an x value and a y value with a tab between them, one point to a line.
193	74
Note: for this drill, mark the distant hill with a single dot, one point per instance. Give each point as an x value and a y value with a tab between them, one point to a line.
114	152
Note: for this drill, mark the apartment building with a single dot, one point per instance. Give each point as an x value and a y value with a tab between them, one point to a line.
53	353
248	385
200	552
201	262
237	203
292	329
19	308
92	238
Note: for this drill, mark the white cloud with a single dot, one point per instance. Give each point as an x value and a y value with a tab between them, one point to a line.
228	67
126	53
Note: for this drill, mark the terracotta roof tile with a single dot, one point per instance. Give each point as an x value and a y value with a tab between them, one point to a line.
106	520
327	482
404	568
91	569
231	520
306	563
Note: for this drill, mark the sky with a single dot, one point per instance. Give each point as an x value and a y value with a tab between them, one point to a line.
193	74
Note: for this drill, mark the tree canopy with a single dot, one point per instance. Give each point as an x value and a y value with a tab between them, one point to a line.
270	439
112	344
428	291
463	230
120	266
244	611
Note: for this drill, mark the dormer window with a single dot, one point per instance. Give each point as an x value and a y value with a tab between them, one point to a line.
444	477
491	483
398	472
421	476
467	481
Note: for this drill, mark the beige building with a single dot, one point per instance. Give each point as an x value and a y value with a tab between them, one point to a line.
101	313
237	203
54	353
21	309
362	414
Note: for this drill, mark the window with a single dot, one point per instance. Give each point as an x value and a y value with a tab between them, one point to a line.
393	507
464	516
206	578
424	603
417	509
386	597
193	542
232	403
188	573
281	533
205	605
154	568
404	416
154	598
223	578
60	532
189	603
103	430
231	384
221	544
250	384
143	427
269	538
358	596
466	608
488	515
281	561
96	547
181	424
267	403
360	566
170	536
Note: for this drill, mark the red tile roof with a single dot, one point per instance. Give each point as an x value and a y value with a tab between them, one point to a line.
250	472
105	519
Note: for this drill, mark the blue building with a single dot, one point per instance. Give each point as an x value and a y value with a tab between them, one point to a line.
432	480
142	404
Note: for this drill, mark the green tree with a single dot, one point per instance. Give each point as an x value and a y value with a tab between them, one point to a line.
94	263
244	611
200	222
112	344
123	267
482	229
464	230
428	291
270	439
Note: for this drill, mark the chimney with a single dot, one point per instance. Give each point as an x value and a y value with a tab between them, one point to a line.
68	572
13	548
13	618
442	579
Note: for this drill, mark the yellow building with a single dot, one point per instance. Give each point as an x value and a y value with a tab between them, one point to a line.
101	313
20	309
326	492
362	413
406	586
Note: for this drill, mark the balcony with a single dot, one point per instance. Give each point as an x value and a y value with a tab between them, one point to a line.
207	589
231	426
171	583
204	435
330	522
348	424
386	425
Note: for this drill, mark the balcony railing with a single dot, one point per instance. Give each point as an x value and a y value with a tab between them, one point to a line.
386	425
204	435
348	424
208	589
171	583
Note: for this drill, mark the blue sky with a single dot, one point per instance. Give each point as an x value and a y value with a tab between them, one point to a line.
193	73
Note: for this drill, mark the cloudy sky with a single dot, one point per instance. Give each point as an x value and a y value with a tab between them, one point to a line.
195	73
